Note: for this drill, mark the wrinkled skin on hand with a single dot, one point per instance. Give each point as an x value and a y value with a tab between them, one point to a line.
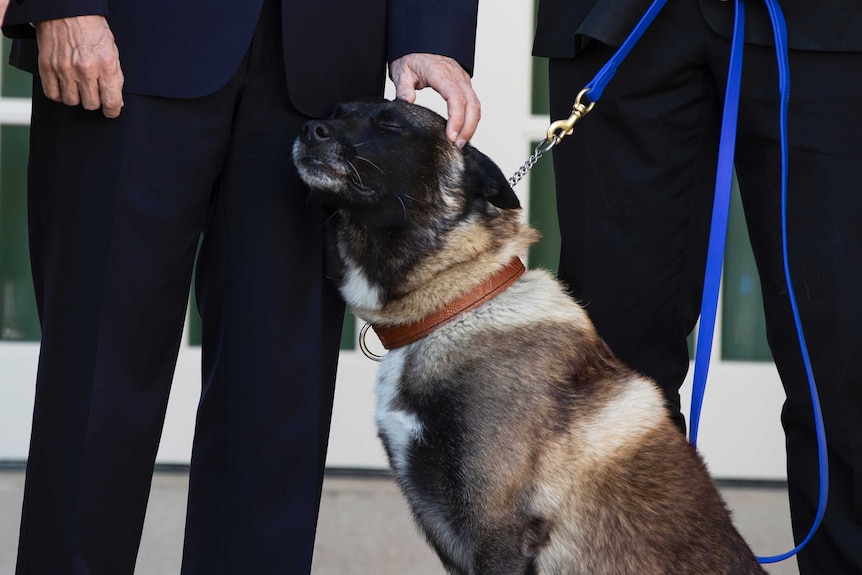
79	63
445	76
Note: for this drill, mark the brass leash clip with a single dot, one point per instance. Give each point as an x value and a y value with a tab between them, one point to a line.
556	132
562	128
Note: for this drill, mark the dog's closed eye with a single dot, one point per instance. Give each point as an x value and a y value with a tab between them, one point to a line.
390	126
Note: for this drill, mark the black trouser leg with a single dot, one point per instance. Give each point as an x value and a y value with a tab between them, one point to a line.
825	249
271	329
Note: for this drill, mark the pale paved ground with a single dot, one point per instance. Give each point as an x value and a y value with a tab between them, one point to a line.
365	527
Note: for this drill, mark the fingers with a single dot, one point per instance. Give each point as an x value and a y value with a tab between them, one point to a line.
111	96
405	87
464	111
50	82
447	78
79	64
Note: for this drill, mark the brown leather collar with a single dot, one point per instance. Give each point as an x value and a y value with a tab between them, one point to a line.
396	336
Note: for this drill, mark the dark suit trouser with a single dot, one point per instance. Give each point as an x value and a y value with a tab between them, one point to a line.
634	192
117	209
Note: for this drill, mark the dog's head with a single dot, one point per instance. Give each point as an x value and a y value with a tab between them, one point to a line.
387	162
410	206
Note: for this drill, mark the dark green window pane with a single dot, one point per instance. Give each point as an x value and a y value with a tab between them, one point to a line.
541	103
16	84
543	215
743	334
18	318
195	337
348	333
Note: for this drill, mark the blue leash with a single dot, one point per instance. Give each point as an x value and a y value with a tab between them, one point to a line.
598	83
721	205
718	227
715	253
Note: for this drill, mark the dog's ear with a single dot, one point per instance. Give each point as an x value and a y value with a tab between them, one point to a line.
483	177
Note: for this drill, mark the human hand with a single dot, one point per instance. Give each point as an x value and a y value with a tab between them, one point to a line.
445	76
79	63
3	5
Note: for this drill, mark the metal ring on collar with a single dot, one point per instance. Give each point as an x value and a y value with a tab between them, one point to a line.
364	347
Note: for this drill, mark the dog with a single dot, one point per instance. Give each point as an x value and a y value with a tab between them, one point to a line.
521	443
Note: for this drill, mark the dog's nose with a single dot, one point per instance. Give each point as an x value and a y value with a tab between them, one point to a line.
315	131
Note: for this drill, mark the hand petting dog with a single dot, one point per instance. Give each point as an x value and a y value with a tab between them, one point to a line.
446	77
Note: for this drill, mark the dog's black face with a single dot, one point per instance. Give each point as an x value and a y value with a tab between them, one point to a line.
389	164
400	192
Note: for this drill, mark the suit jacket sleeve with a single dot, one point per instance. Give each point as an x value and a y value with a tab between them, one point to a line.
21	12
445	27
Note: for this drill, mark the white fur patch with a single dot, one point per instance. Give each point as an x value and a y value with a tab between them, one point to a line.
324	181
359	292
633	413
598	439
331	178
399	428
